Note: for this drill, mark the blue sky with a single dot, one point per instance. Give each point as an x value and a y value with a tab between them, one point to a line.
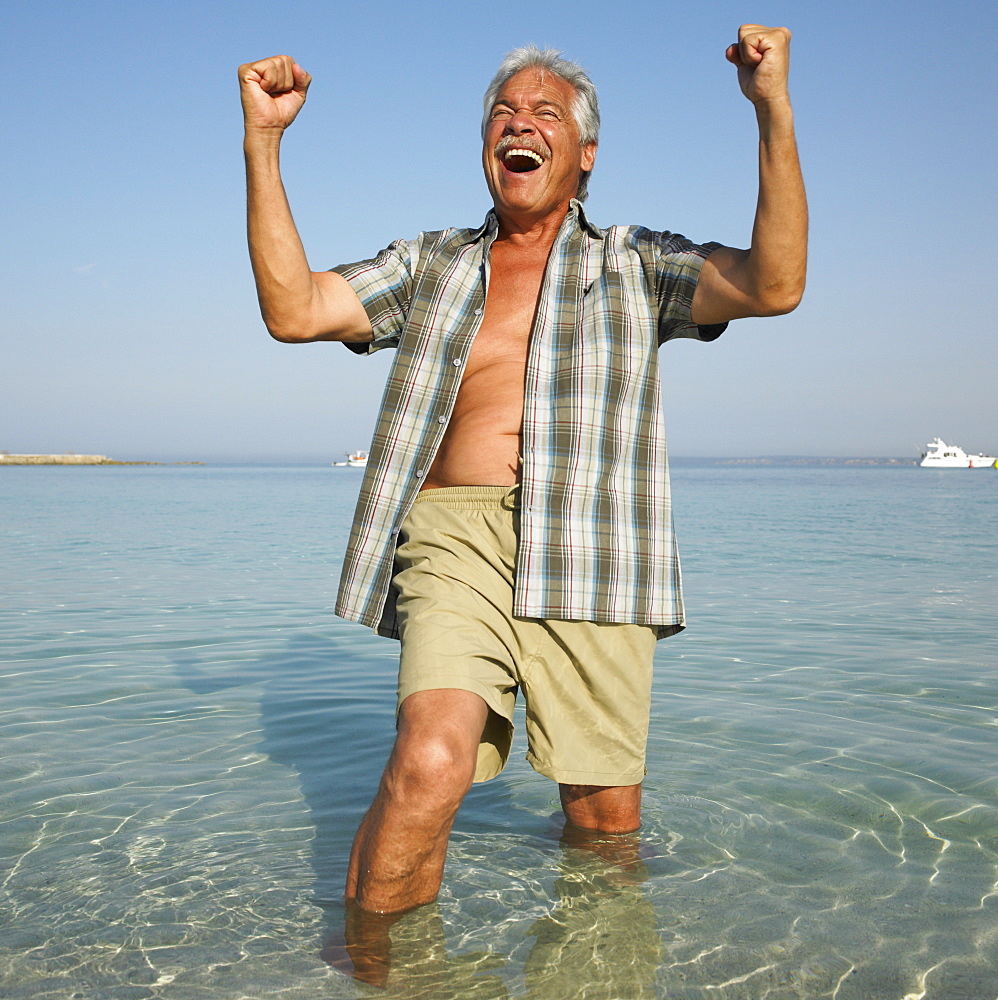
127	313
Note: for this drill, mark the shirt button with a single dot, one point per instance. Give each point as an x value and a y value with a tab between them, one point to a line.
419	473
441	420
456	362
478	312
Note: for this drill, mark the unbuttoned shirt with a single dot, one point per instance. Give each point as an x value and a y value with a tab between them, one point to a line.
596	537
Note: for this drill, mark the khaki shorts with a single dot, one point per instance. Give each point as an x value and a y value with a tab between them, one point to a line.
586	685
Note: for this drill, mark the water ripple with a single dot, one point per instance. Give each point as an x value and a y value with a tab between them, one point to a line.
189	740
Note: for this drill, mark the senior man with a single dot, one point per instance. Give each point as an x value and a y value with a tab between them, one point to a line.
514	526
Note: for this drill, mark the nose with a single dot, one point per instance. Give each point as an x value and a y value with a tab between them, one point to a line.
520	123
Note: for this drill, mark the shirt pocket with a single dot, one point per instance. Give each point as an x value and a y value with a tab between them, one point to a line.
615	327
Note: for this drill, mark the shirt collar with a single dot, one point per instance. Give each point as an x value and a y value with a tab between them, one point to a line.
584	222
490	226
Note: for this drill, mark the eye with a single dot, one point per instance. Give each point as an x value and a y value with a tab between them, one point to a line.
501	113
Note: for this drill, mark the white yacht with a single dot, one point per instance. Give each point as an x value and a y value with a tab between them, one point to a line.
941	455
355	460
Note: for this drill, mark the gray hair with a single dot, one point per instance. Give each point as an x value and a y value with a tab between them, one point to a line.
585	106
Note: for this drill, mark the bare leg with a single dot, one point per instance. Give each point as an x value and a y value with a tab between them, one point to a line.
362	947
398	854
609	809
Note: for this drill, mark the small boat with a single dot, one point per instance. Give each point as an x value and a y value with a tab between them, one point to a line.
941	455
355	460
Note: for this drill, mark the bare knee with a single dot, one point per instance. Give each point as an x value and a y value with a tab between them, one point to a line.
433	763
606	808
429	774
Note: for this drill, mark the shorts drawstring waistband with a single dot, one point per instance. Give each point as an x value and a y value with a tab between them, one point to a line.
473	497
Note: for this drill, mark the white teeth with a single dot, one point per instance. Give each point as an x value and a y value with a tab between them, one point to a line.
529	153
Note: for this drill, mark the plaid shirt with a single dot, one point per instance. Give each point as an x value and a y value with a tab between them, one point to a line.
596	538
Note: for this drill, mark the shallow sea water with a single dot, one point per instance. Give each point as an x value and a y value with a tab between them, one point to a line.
188	739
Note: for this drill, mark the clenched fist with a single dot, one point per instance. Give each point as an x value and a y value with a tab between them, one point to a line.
272	91
762	56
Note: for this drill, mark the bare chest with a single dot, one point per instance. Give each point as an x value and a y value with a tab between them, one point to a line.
482	441
510	309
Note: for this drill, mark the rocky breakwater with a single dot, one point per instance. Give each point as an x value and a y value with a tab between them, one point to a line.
72	458
69	458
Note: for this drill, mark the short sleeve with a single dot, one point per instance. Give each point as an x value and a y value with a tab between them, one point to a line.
677	272
384	286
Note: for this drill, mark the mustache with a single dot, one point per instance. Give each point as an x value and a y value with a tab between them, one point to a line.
508	142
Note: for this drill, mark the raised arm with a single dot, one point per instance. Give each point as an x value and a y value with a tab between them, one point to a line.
767	279
297	304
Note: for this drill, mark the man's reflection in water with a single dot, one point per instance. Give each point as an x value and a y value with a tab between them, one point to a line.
600	941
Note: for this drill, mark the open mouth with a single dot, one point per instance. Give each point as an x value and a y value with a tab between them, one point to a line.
521	161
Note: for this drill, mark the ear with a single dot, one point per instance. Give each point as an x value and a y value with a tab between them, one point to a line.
588	157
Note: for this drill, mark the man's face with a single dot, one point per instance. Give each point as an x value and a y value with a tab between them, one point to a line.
531	152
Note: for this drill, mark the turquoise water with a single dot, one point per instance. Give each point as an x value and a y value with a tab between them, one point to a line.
189	738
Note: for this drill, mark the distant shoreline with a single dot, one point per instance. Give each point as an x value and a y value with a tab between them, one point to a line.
71	458
795	460
676	460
